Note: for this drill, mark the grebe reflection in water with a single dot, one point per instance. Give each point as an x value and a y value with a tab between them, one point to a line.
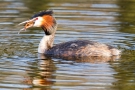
76	48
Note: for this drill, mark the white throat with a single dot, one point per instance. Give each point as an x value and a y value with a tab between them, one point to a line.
45	43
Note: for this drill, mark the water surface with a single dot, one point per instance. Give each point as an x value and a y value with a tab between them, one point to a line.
105	21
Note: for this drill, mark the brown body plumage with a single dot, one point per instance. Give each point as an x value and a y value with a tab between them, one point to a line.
77	48
80	48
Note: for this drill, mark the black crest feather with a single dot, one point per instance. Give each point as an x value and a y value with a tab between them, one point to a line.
42	13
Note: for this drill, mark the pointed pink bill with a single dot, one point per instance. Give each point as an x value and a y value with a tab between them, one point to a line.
24	22
31	20
23	29
27	24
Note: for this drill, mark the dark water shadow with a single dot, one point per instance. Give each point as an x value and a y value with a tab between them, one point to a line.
41	72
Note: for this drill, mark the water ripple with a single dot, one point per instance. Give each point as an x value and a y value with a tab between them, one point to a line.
22	68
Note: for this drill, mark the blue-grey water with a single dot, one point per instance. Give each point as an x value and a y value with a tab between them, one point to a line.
105	21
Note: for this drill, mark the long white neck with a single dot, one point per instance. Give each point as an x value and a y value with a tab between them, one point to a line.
45	43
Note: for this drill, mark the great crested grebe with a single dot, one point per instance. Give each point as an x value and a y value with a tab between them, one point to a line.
76	48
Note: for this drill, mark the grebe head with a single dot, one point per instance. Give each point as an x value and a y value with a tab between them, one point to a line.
43	19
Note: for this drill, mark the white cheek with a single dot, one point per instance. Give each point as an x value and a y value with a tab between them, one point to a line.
38	22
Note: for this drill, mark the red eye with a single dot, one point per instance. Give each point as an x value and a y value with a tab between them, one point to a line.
37	18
